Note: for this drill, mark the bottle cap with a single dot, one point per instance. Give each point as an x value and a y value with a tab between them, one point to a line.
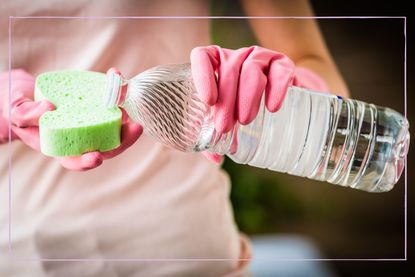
115	89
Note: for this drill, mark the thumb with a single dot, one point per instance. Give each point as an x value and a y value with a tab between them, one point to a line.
29	135
27	112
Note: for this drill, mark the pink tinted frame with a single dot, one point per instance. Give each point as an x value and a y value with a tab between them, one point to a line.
15	258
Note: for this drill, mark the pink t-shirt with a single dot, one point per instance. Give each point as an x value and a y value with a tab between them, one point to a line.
150	202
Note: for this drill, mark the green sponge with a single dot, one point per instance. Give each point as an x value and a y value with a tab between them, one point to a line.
81	123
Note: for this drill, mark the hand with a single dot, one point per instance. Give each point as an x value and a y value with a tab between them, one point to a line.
130	132
25	114
243	76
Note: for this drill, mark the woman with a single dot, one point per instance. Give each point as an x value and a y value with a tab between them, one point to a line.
149	202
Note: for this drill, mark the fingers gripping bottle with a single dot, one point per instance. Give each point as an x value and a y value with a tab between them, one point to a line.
314	135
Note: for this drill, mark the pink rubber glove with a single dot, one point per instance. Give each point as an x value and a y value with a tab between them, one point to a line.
243	75
23	111
25	114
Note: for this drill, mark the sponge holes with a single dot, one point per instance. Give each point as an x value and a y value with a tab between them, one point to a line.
69	141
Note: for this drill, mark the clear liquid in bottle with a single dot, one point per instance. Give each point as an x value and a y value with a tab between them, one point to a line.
314	135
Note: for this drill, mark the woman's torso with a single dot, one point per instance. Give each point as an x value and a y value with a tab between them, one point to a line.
150	202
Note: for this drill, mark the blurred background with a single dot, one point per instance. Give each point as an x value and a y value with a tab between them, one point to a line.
343	223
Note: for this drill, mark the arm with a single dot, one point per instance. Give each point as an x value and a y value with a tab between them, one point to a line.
299	39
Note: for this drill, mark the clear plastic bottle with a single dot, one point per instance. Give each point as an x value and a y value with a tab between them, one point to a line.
314	135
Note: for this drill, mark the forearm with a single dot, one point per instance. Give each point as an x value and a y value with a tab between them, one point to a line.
300	39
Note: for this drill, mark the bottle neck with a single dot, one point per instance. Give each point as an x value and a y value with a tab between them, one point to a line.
116	88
